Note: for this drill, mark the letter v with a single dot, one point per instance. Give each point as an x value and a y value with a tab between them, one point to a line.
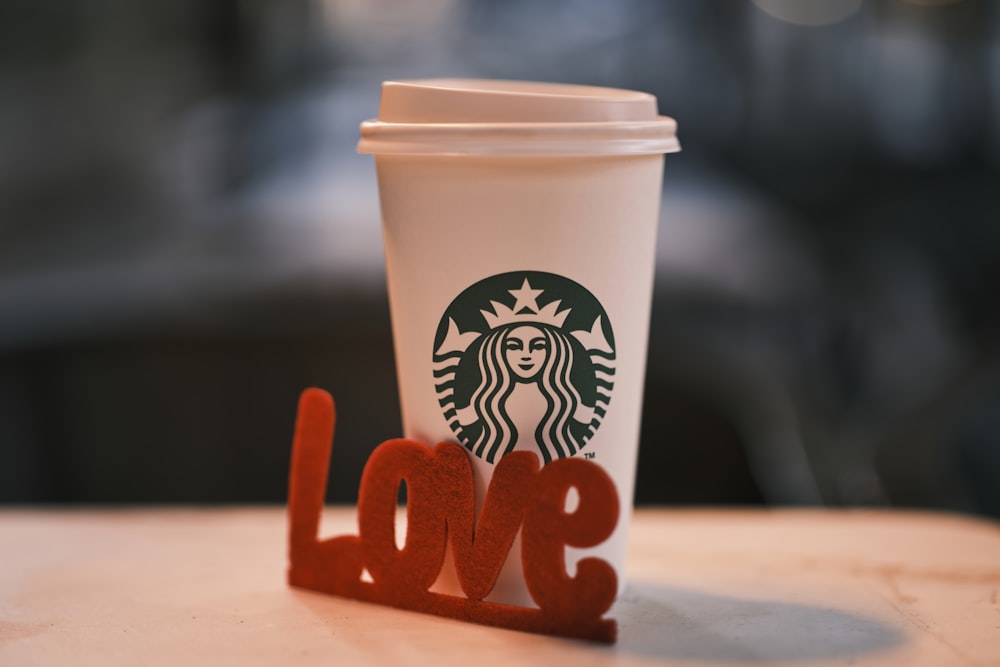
481	550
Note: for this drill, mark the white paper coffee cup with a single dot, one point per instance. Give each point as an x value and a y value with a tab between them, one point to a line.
520	224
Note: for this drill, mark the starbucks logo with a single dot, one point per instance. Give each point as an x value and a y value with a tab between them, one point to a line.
524	358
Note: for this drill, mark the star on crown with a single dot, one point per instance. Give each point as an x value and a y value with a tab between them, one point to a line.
525	309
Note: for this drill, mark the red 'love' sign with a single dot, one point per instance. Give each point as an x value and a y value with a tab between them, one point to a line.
441	508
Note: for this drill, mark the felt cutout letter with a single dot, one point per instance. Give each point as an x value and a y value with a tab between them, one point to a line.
441	507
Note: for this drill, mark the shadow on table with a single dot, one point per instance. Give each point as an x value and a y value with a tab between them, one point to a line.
654	621
665	622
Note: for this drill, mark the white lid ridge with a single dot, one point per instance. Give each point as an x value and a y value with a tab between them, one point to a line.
491	117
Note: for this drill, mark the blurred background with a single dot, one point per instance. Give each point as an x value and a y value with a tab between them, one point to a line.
188	239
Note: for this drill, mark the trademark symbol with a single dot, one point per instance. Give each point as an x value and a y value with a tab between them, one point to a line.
589	455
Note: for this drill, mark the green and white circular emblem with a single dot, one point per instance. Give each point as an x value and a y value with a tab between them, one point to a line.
524	358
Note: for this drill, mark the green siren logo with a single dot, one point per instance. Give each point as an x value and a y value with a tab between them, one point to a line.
524	360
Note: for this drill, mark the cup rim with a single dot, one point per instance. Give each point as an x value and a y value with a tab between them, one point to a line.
647	137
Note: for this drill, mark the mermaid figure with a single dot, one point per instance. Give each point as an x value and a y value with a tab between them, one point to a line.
524	381
527	354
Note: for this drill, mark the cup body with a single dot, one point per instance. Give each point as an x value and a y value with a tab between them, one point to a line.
520	290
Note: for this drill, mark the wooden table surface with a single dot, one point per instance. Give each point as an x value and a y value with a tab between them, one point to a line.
792	587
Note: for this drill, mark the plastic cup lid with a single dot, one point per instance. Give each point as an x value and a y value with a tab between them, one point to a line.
486	117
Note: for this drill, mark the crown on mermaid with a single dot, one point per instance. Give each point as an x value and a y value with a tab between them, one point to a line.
525	309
